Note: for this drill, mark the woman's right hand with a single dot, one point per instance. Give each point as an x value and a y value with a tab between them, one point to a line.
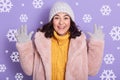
22	35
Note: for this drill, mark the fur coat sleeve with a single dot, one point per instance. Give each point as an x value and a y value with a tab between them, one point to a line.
26	53
95	53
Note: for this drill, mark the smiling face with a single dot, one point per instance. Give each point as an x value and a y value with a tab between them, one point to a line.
61	23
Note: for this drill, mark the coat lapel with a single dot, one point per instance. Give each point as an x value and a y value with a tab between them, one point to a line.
43	46
75	47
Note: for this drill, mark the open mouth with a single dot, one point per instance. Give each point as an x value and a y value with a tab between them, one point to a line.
61	27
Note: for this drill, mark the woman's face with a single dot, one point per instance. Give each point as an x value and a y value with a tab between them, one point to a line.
61	23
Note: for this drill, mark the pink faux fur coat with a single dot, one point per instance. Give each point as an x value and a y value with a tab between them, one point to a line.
83	58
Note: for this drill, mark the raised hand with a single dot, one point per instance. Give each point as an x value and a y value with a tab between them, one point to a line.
22	35
98	33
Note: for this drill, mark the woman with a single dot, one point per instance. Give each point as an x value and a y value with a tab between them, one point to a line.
59	50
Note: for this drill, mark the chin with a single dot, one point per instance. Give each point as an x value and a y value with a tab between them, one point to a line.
61	34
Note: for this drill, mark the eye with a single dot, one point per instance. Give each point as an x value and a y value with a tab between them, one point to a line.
66	18
56	17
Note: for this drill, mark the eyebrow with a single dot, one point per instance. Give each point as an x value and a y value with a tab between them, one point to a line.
64	15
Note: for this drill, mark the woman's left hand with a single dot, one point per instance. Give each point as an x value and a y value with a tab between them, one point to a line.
98	33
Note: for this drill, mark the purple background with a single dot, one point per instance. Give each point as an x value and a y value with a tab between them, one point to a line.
10	21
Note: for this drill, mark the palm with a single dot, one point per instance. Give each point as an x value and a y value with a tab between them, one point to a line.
22	35
98	33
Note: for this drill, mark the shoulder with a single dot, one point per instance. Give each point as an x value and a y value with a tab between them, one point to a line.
80	41
82	37
39	34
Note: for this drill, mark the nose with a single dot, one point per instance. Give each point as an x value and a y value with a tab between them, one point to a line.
61	21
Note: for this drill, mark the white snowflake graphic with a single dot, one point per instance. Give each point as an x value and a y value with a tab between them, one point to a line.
76	3
118	48
2	68
7	78
15	57
101	26
11	35
18	76
87	18
5	5
107	75
118	4
6	51
105	10
41	22
22	4
115	33
23	18
37	3
109	59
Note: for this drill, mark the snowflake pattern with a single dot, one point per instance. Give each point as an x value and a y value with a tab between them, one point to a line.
76	3
118	4
118	48
11	35
19	76
115	33
23	18
15	57
109	59
9	8
7	78
107	75
5	5
37	3
87	18
41	22
2	68
22	4
6	51
105	10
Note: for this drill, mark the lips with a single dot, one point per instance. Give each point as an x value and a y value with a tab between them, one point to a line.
61	27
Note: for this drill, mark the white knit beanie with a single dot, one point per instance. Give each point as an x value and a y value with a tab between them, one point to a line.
61	7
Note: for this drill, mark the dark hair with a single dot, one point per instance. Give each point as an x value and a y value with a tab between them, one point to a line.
48	30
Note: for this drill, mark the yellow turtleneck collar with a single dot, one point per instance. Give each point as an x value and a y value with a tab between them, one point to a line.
61	39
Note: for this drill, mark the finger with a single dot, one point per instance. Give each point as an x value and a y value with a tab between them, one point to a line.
95	27
25	29
99	27
18	31
16	35
30	34
21	29
100	30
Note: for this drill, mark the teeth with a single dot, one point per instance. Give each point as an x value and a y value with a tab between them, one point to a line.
60	27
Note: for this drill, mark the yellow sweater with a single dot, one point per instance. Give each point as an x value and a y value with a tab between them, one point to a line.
59	55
